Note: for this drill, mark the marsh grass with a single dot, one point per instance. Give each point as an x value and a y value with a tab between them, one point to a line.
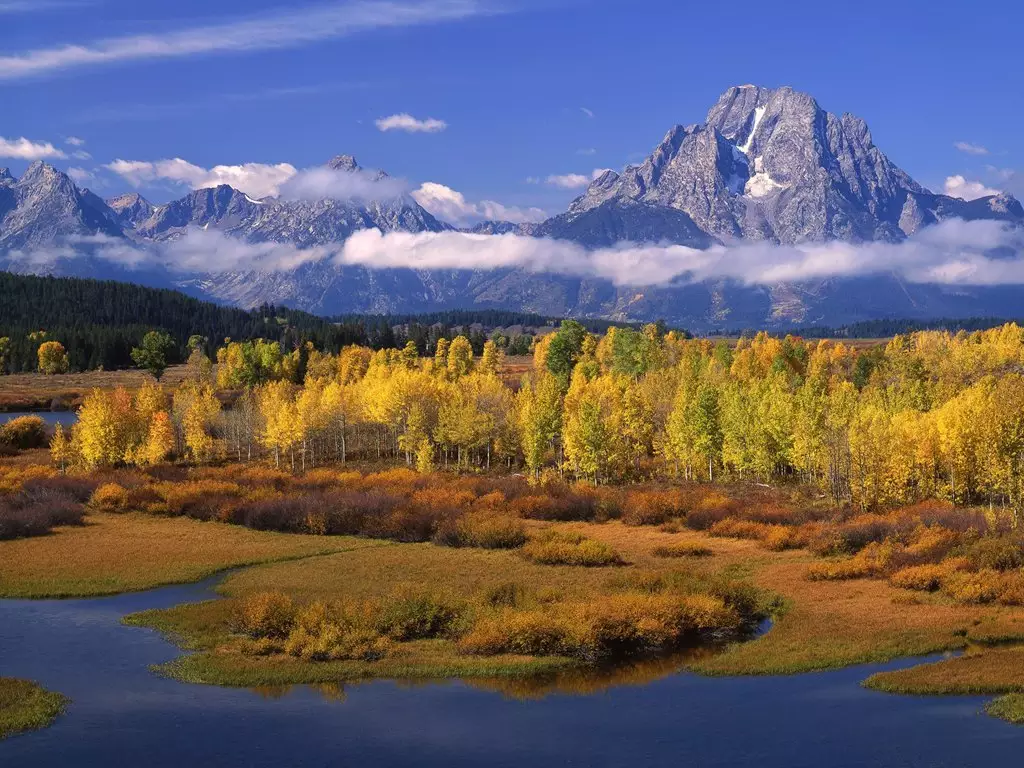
25	706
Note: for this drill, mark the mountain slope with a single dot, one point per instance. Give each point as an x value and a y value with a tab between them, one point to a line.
44	207
771	164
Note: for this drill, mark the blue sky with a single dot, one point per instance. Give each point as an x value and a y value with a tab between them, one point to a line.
526	90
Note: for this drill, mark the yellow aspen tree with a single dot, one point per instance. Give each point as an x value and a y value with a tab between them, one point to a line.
490	362
53	358
97	434
62	450
440	363
281	428
460	358
160	440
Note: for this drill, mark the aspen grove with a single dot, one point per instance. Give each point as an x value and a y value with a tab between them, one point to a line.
926	415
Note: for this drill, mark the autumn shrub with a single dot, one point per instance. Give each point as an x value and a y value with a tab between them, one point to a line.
506	594
265	615
778	538
973	587
553	547
924	578
851	536
485	529
872	560
24	432
682	550
530	633
412	615
323	632
564	506
652	507
929	544
491	500
201	499
25	515
739	529
78	488
710	508
996	553
774	513
109	497
1012	591
607	627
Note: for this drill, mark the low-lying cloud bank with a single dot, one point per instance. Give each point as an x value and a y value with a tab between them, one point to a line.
954	252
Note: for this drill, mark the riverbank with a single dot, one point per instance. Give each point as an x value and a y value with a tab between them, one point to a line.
26	706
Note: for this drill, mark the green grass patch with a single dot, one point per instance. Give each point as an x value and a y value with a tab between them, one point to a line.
26	706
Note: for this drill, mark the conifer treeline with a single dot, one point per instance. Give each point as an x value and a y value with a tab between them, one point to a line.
928	415
99	322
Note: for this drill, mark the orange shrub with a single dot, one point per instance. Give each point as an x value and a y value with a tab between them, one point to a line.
553	547
739	529
109	497
24	432
980	587
265	615
652	507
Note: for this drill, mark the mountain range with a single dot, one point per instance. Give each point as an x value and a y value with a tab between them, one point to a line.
767	165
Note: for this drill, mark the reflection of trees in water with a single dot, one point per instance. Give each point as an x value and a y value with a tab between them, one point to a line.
329	691
582	681
578	681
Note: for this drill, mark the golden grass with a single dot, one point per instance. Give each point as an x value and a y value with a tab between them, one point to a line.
25	706
122	553
377	573
34	391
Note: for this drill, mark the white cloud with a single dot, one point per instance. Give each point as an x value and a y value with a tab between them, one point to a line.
260	180
254	179
452	206
81	155
23	149
283	30
320	183
74	141
958	186
573	180
969	148
954	252
80	175
409	124
587	151
588	112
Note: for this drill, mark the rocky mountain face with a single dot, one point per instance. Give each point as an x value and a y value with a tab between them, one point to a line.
771	164
766	165
45	207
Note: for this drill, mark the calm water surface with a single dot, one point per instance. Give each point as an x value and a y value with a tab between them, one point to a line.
122	714
52	418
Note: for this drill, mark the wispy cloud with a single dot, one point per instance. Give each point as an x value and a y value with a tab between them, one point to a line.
23	149
35	6
969	148
259	180
586	151
965	189
255	179
406	122
300	27
570	180
588	112
453	207
75	141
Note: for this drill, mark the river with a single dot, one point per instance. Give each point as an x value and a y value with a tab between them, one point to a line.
52	418
122	714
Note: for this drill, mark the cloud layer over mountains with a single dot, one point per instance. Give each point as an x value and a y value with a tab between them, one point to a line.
953	252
